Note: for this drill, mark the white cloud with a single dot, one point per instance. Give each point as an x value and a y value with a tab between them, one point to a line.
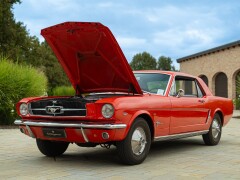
176	37
130	41
170	28
183	42
198	36
163	14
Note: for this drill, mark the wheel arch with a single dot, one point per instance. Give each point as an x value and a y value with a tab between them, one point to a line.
149	120
219	112
147	117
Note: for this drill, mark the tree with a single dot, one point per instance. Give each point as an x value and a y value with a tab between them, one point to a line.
49	64
18	45
7	24
165	63
143	61
13	35
42	57
237	100
238	84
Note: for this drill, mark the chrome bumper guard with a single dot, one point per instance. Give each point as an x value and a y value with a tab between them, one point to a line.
71	125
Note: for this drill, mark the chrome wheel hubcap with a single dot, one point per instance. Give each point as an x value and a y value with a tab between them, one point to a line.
138	141
216	129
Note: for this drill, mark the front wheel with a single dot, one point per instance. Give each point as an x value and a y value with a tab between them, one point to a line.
135	147
51	148
214	135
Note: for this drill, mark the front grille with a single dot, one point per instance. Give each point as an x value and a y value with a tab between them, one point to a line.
58	107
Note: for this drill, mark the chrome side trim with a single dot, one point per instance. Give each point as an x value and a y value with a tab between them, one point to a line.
73	125
178	136
209	116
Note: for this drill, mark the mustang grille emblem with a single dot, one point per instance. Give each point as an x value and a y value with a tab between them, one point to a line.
54	102
54	109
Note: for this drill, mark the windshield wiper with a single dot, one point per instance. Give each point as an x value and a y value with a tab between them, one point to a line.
145	91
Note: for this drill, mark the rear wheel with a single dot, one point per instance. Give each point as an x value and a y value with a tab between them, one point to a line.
135	147
214	135
52	148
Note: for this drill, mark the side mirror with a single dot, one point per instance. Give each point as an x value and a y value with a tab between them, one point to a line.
180	93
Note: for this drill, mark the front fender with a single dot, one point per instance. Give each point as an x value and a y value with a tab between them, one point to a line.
132	119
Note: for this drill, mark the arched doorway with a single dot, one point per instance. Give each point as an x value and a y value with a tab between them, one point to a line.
221	85
204	78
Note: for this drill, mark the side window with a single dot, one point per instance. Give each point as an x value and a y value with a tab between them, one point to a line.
190	88
189	85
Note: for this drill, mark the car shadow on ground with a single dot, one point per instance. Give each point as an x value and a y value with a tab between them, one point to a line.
109	157
92	156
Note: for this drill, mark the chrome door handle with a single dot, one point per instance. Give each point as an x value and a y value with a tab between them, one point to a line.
201	101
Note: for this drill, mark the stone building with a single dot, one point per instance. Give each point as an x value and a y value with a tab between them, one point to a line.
218	67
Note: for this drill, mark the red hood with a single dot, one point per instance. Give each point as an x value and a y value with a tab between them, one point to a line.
91	57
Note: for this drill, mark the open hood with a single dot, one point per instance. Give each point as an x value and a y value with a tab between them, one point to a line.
91	57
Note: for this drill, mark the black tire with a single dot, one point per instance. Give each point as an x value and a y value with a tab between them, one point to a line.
52	148
141	132
213	137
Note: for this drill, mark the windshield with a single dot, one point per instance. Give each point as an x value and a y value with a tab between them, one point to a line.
153	83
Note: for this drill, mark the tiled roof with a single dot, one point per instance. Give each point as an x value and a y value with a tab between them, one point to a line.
209	51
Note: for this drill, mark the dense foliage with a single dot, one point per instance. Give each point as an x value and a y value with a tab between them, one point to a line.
238	84
237	100
165	63
19	46
16	82
145	61
48	63
63	91
19	77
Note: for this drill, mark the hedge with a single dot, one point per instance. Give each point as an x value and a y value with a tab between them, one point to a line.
63	91
17	82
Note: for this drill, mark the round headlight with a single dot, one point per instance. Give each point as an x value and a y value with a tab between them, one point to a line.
23	109
107	110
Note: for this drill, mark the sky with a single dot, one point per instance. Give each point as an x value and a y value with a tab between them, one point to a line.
172	28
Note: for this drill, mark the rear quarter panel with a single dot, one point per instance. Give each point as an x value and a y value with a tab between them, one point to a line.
220	105
224	106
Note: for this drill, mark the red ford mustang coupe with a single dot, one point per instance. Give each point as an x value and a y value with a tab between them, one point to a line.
115	106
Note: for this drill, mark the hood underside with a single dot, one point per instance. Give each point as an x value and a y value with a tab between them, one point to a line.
91	57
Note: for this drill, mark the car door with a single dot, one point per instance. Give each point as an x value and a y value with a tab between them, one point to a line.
188	107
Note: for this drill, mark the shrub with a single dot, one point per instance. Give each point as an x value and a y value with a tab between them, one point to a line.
16	82
63	91
236	102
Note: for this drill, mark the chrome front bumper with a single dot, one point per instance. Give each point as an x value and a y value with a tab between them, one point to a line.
81	126
71	125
